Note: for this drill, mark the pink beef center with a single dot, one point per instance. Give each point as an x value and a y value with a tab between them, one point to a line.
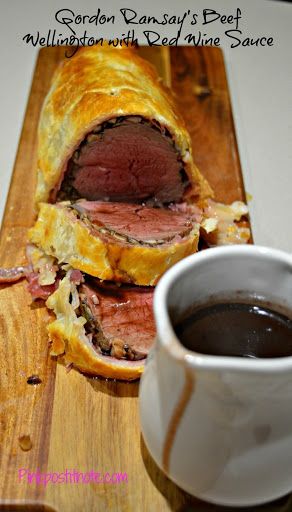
138	222
121	312
129	162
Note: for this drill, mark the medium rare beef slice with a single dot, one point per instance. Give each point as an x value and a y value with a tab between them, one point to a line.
120	319
138	224
127	162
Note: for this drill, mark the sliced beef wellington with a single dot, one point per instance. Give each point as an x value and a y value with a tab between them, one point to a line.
120	242
117	195
117	199
102	328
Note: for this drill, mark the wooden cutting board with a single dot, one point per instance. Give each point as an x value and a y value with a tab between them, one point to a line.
74	422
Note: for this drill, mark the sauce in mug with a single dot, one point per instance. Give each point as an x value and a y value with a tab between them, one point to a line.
236	329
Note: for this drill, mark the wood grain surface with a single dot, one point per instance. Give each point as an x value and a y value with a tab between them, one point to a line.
74	422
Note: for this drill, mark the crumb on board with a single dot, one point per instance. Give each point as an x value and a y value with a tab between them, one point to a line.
25	443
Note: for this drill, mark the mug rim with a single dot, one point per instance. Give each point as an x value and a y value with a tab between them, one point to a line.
195	360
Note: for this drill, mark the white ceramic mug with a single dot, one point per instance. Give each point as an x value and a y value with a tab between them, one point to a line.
220	427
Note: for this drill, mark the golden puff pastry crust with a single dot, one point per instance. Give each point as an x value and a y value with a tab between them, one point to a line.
59	233
94	86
